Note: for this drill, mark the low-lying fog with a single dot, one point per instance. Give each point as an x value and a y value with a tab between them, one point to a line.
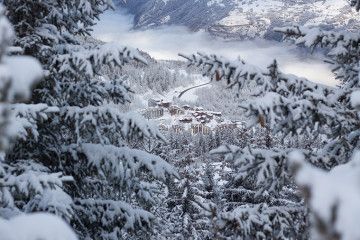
167	42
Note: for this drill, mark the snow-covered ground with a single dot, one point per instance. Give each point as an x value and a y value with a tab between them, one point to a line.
167	42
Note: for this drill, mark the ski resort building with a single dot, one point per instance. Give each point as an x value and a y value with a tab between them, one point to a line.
153	113
226	126
175	110
177	128
158	103
200	129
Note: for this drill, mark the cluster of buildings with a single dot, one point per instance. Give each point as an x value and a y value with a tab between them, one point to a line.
186	118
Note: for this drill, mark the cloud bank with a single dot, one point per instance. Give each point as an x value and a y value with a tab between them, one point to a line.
166	42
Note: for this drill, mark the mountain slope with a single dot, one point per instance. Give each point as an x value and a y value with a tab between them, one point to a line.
240	19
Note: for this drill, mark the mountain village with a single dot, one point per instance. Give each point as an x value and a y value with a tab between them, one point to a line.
196	120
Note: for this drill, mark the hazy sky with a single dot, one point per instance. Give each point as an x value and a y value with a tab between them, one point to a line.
167	42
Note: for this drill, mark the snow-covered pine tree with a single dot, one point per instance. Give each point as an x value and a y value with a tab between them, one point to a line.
344	56
88	137
259	198
22	180
294	106
190	209
261	184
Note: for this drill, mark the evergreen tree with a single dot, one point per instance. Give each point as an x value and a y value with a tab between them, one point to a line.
88	137
23	180
295	107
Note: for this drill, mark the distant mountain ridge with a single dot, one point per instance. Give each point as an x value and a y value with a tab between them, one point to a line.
242	19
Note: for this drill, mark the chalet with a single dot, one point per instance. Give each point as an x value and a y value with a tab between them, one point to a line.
158	103
226	126
216	114
177	128
152	103
164	104
186	119
200	129
175	110
202	116
153	113
187	107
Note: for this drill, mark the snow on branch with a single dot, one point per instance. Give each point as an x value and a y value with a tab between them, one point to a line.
23	119
123	163
27	179
343	49
235	72
54	201
334	196
22	81
267	168
36	182
112	215
88	62
18	74
340	41
125	124
34	227
260	221
96	91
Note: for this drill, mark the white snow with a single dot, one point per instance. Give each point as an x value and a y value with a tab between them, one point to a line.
25	71
7	32
39	226
124	163
355	99
338	188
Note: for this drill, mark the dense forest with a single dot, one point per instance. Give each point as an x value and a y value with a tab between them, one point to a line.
79	160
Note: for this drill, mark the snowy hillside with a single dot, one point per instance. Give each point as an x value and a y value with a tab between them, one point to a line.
239	19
